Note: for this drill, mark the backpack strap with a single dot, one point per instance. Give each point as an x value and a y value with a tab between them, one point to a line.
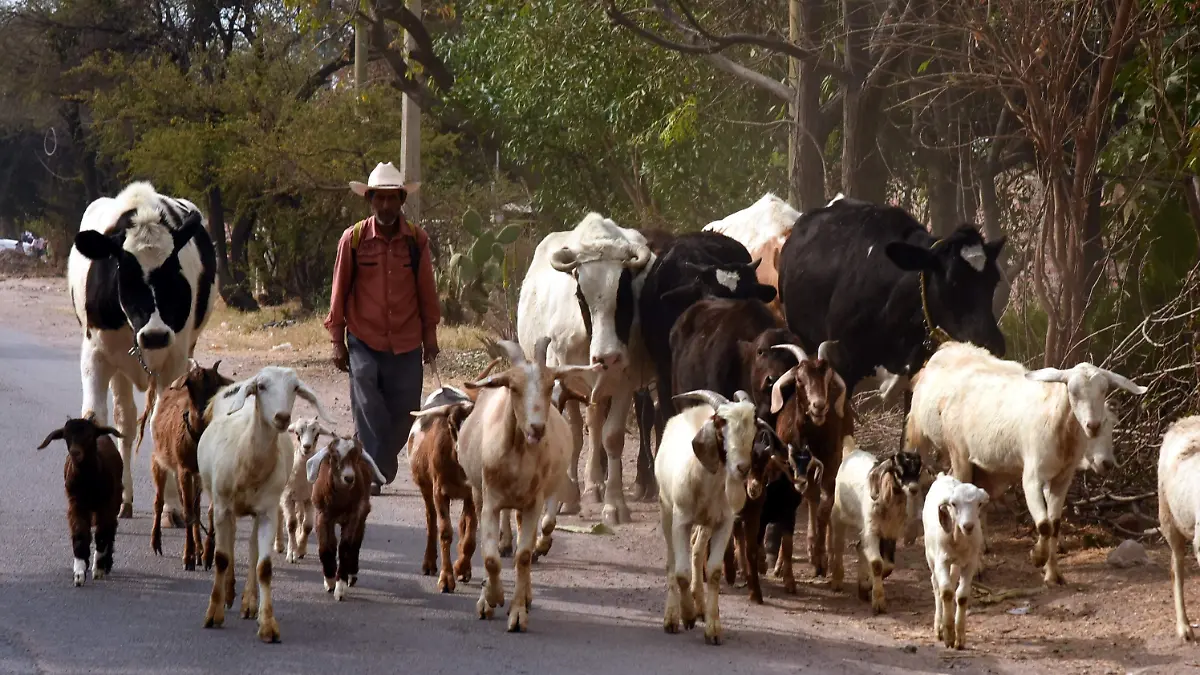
355	238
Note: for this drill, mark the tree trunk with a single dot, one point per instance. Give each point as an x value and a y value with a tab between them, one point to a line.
233	293
807	169
864	174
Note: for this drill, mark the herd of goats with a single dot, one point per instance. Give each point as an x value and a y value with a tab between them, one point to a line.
753	331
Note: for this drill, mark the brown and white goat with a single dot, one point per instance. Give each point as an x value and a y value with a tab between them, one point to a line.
514	448
296	515
92	476
341	474
436	471
815	414
178	422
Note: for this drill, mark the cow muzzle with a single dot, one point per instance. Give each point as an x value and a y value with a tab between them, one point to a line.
154	339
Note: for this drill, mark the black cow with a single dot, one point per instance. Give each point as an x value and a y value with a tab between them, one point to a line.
851	272
696	265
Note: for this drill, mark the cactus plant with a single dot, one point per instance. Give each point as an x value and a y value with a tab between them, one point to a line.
482	265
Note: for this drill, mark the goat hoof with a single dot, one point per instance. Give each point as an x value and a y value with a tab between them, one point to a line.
339	590
484	609
428	567
712	633
176	519
268	631
1185	633
446	583
329	584
78	580
864	593
638	493
353	579
789	586
689	624
756	597
126	510
189	565
505	552
593	495
671	627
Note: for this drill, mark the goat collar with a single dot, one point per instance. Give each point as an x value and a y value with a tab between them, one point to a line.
934	335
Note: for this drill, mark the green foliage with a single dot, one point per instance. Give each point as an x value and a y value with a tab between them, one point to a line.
472	273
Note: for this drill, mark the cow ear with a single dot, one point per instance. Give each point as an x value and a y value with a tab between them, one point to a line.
707	446
993	248
911	258
764	293
95	245
747	351
944	517
191	225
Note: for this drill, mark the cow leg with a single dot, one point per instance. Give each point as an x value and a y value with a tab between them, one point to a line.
97	374
595	423
125	416
570	504
645	486
615	510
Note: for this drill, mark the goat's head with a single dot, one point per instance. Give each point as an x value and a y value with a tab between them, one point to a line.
768	460
80	436
959	510
274	389
453	413
804	469
342	454
766	366
531	383
818	379
727	436
201	383
888	479
307	431
1087	391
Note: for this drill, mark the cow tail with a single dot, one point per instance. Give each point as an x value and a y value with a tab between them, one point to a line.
151	397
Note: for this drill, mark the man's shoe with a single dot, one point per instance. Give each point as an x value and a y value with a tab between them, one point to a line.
376	489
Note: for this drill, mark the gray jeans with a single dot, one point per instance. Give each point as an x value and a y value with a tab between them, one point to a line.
384	389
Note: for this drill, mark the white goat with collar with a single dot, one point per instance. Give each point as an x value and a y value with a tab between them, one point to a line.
244	458
701	468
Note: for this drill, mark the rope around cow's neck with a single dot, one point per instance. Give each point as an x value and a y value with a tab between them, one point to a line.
934	332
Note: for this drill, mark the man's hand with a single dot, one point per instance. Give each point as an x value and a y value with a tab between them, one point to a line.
341	357
429	354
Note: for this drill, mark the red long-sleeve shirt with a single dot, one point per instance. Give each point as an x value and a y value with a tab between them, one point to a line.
385	309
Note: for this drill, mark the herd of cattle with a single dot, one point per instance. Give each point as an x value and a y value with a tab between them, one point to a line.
753	332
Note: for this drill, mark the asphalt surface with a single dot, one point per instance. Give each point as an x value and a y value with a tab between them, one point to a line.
147	616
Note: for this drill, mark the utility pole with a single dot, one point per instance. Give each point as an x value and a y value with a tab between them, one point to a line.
410	140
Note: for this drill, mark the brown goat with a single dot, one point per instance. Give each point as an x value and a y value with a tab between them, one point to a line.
341	474
436	471
92	478
806	416
177	427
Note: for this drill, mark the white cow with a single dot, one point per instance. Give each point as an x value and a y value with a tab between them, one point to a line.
581	291
762	228
148	323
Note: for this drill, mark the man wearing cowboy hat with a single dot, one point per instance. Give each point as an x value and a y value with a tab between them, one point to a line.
383	316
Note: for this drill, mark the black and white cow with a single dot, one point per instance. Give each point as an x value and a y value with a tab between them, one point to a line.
851	272
581	291
142	276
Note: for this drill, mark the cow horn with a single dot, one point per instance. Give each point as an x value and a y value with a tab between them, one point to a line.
706	395
539	350
641	256
794	349
825	350
564	260
513	350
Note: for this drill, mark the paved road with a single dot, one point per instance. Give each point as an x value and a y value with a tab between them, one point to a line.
146	617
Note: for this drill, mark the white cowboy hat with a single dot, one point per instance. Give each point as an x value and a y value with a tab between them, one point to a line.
384	177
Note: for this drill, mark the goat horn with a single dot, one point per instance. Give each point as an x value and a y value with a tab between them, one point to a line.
741	396
513	351
794	349
708	396
539	350
824	351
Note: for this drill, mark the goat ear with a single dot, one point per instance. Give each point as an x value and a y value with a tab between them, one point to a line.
376	474
313	466
840	386
239	394
944	517
1124	382
874	481
107	431
707	446
501	380
179	382
55	435
306	393
294	427
784	380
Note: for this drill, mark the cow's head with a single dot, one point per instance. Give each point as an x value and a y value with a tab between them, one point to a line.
154	294
604	272
731	280
766	366
960	276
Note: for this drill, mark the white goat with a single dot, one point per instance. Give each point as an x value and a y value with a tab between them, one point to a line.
514	448
870	500
244	458
953	547
1178	503
296	505
1001	423
701	468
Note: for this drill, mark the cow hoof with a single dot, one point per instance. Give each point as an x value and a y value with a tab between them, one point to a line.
126	510
572	509
593	495
638	493
614	515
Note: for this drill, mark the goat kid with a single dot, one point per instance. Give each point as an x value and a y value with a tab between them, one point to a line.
436	471
341	475
296	515
92	475
953	546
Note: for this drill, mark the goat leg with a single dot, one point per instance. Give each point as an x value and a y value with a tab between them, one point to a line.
468	526
445	532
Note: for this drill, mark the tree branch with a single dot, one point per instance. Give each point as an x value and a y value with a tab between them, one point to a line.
319	78
396	11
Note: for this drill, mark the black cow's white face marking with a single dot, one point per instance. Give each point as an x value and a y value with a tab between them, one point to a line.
154	294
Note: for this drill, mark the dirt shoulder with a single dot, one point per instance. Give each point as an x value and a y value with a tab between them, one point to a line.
1106	620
